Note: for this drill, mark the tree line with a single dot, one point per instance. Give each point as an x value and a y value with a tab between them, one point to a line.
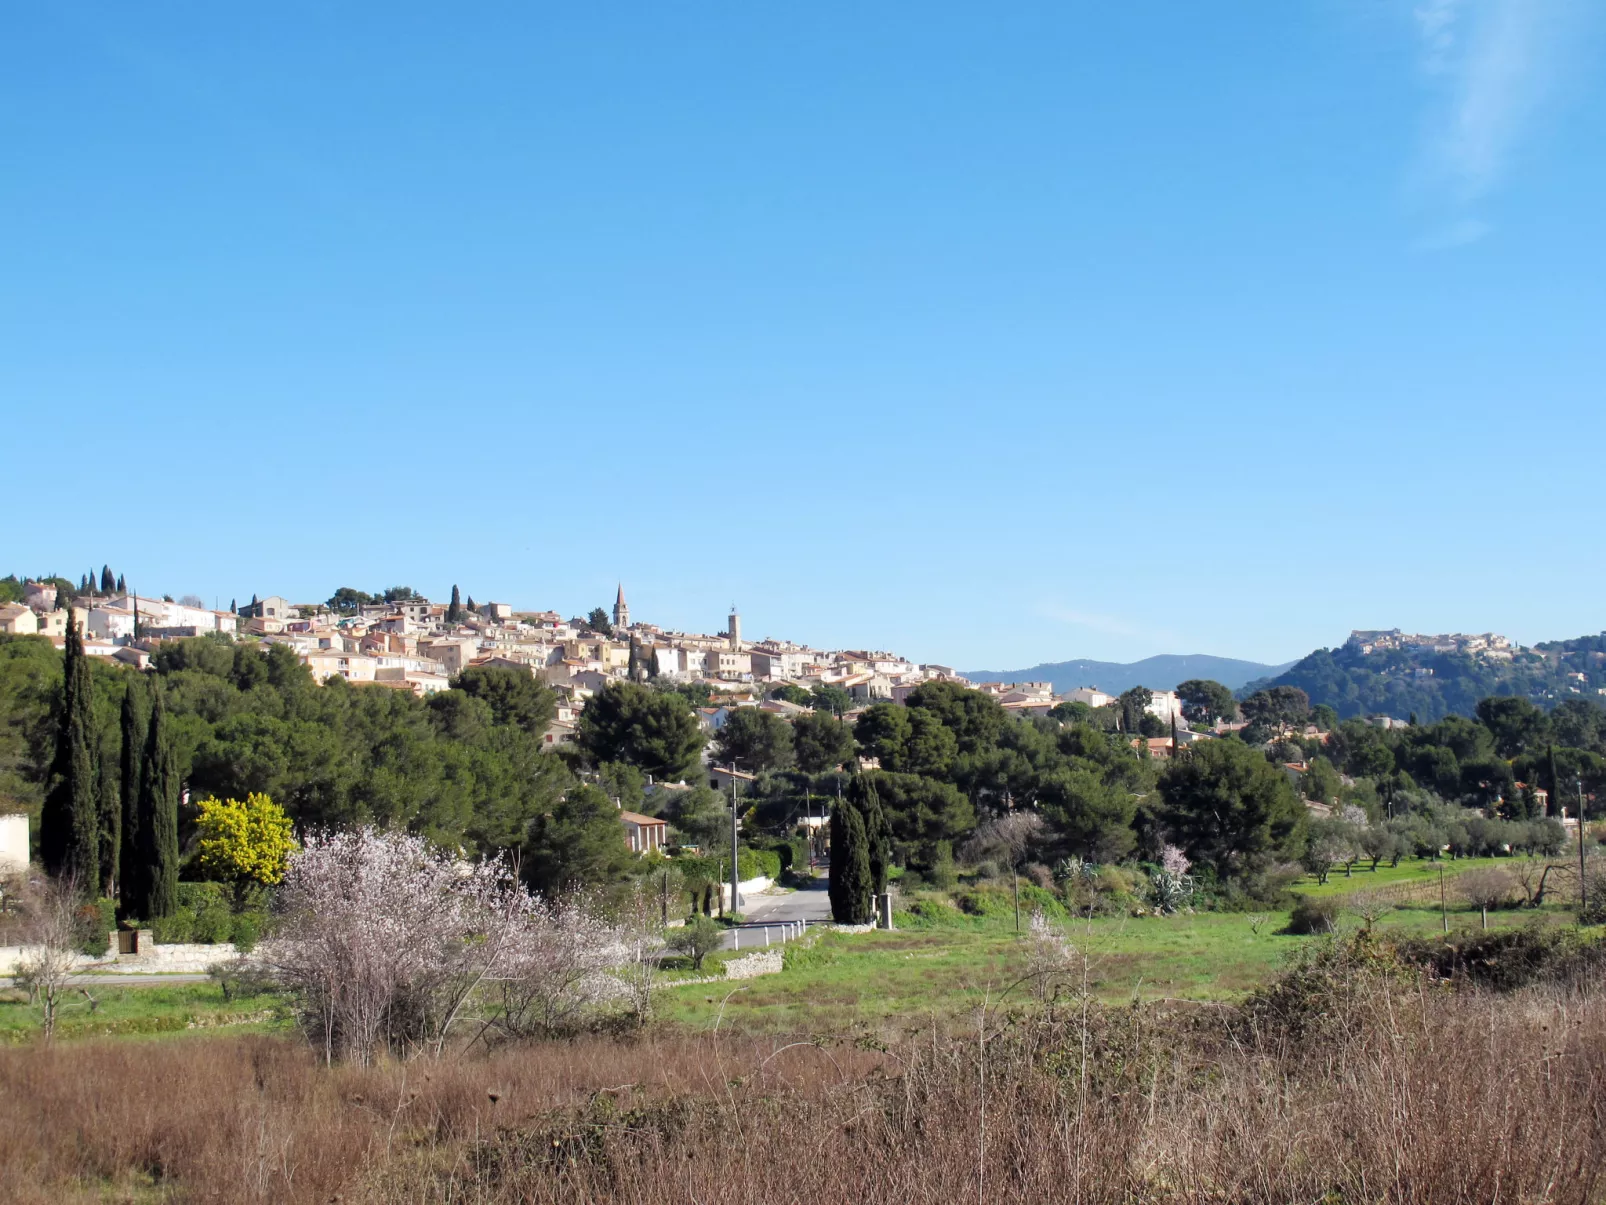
467	767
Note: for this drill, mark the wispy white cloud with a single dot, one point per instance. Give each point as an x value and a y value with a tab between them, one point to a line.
1435	20
1492	66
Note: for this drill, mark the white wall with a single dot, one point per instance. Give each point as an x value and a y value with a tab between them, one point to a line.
13	842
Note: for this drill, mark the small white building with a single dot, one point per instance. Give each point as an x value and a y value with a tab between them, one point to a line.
18	620
13	842
1091	695
644	833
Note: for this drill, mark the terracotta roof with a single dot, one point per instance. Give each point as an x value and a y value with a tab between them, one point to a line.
638	818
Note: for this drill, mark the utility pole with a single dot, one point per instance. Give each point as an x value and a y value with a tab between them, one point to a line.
736	787
1583	884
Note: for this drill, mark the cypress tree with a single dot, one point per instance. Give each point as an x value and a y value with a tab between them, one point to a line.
109	808
158	818
122	586
69	825
234	607
850	884
454	610
471	602
131	877
108	583
1555	783
878	835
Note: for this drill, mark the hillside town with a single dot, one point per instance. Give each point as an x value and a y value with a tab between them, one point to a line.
1487	645
411	643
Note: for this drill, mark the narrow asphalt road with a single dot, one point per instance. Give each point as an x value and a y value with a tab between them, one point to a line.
810	903
132	980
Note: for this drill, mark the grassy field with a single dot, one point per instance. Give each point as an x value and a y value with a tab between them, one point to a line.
934	969
100	1011
880	982
1411	872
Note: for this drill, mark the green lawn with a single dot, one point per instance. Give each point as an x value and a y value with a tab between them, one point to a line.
1410	871
183	1007
911	978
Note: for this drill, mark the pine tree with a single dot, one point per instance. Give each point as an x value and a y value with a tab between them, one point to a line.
109	808
69	824
454	610
158	819
108	583
132	880
850	884
577	844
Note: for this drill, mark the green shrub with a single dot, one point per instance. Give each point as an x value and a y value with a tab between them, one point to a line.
696	939
1038	899
751	863
944	875
1313	915
794	855
1507	958
929	912
173	930
210	907
240	979
95	920
247	930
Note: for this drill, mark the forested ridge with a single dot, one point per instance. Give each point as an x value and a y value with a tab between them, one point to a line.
1429	685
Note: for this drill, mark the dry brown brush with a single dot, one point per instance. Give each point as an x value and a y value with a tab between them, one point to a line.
1355	1078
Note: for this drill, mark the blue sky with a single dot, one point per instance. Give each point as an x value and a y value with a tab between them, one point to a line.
993	337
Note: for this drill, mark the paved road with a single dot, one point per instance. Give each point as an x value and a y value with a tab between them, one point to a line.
131	980
810	903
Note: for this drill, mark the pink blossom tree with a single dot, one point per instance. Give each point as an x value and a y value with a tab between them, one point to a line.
390	945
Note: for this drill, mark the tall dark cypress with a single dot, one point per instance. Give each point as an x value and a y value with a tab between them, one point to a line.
850	884
158	817
109	813
132	879
108	583
69	825
454	609
122	586
878	836
1555	784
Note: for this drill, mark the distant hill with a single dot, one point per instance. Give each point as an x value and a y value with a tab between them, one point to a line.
1157	673
1403	681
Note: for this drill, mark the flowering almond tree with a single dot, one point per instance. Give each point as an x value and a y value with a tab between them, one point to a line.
389	944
